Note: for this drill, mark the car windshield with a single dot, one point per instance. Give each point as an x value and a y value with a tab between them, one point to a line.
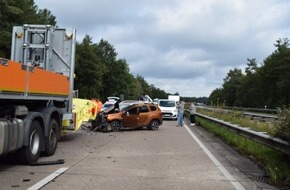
166	103
126	103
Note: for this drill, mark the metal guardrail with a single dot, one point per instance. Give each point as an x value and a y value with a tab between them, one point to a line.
259	110
260	137
252	115
261	116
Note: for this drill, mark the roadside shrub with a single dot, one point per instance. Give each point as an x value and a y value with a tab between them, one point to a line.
283	124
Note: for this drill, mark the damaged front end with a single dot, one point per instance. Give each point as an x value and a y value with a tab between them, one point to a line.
101	122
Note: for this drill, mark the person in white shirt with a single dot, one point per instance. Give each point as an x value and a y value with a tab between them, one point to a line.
192	110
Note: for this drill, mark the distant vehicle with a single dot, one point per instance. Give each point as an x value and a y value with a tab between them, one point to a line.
148	98
108	104
113	98
155	100
174	97
111	101
134	116
168	108
145	98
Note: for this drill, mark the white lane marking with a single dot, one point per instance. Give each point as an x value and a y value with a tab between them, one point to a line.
46	180
227	174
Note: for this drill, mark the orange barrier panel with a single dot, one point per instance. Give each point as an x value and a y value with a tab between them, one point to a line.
13	78
44	82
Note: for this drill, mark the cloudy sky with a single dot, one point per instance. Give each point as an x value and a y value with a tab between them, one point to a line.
184	46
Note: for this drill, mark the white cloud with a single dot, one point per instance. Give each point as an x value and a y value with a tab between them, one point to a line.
185	46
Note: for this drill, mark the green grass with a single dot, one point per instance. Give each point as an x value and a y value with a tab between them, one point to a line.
236	117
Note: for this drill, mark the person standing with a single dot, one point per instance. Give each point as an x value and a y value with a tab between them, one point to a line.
192	110
180	108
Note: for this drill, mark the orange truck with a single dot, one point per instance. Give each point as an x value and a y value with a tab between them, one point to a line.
36	91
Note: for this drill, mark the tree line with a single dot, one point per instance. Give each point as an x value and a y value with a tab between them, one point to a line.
99	73
264	86
17	13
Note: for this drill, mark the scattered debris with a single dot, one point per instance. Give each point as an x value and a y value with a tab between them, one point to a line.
14	186
26	180
41	163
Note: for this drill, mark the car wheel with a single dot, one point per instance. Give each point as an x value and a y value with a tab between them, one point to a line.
115	125
154	125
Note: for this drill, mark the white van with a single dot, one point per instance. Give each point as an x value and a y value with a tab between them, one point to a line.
168	108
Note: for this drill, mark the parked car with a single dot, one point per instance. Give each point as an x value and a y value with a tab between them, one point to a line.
134	116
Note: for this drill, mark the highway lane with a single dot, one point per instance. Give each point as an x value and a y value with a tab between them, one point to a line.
170	158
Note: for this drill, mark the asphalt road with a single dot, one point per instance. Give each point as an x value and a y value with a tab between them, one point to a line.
170	158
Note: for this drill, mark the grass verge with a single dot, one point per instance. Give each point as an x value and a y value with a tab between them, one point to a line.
274	163
237	117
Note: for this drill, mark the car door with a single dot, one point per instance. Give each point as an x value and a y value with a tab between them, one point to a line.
143	116
131	117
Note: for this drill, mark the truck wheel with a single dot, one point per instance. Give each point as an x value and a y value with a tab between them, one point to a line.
30	154
115	125
52	139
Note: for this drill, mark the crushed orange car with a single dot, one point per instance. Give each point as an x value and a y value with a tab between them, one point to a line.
136	115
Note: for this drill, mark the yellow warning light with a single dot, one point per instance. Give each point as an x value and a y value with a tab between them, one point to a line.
69	33
69	36
19	35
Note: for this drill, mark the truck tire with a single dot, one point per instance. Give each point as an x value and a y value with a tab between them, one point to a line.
52	139
30	153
